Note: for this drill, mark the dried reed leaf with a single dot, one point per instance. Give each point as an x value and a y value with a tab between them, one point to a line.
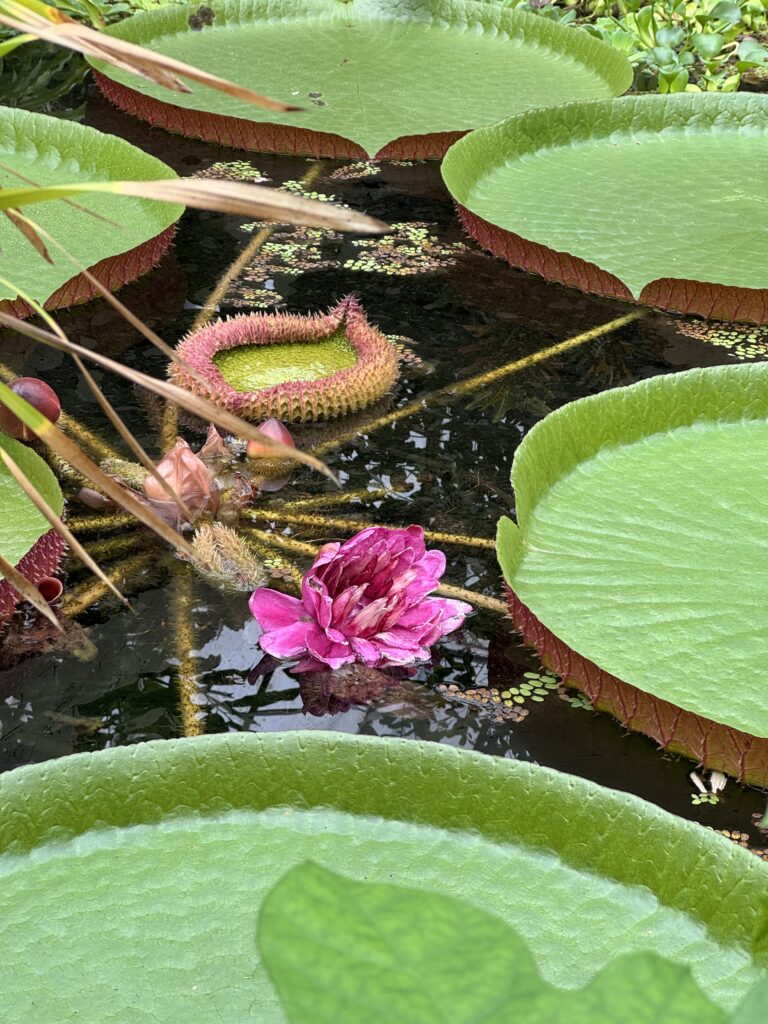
53	26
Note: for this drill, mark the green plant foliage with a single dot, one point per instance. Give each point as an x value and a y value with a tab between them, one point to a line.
602	181
340	951
374	70
642	517
51	151
21	525
674	45
140	870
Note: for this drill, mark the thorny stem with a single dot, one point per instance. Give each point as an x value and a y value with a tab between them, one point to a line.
81	598
274	515
183	626
100	523
478	381
340	498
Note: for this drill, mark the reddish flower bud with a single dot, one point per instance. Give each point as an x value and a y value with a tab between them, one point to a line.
188	476
37	393
274	429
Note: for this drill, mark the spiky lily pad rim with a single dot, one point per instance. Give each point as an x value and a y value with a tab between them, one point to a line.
41	560
263	137
114	272
207	117
711	744
543	128
345	391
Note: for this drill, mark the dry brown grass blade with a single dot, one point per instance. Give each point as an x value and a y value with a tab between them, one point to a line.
209	194
127	56
58	525
23	225
204	409
28	591
109	411
70	202
254	200
76	457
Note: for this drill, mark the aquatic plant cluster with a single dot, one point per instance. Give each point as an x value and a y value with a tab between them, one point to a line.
312	876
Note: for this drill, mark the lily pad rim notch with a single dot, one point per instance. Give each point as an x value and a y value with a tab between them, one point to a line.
201	116
549	129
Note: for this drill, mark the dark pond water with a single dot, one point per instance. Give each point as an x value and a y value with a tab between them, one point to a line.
186	659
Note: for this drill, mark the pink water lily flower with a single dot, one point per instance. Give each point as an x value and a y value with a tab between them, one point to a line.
363	600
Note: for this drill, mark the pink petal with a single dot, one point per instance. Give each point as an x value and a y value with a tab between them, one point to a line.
365	650
273	610
334	655
315	598
287	642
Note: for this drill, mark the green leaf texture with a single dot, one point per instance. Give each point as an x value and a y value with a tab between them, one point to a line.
21	525
52	151
132	878
643	536
375	70
340	952
646	187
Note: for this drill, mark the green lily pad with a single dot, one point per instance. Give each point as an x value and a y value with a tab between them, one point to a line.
132	879
371	71
641	544
21	525
657	198
48	151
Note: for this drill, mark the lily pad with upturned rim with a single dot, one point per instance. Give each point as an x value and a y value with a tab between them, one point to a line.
288	366
376	77
140	870
639	566
125	240
26	539
656	199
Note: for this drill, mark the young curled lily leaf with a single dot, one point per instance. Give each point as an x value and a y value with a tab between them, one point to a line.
200	407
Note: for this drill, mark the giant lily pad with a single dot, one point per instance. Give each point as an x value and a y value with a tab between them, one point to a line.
657	199
26	539
639	566
374	76
124	239
132	879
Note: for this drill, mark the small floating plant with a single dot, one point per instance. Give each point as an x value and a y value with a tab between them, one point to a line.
289	367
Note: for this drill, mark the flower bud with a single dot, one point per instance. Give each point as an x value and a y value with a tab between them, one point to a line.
275	430
37	393
188	476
